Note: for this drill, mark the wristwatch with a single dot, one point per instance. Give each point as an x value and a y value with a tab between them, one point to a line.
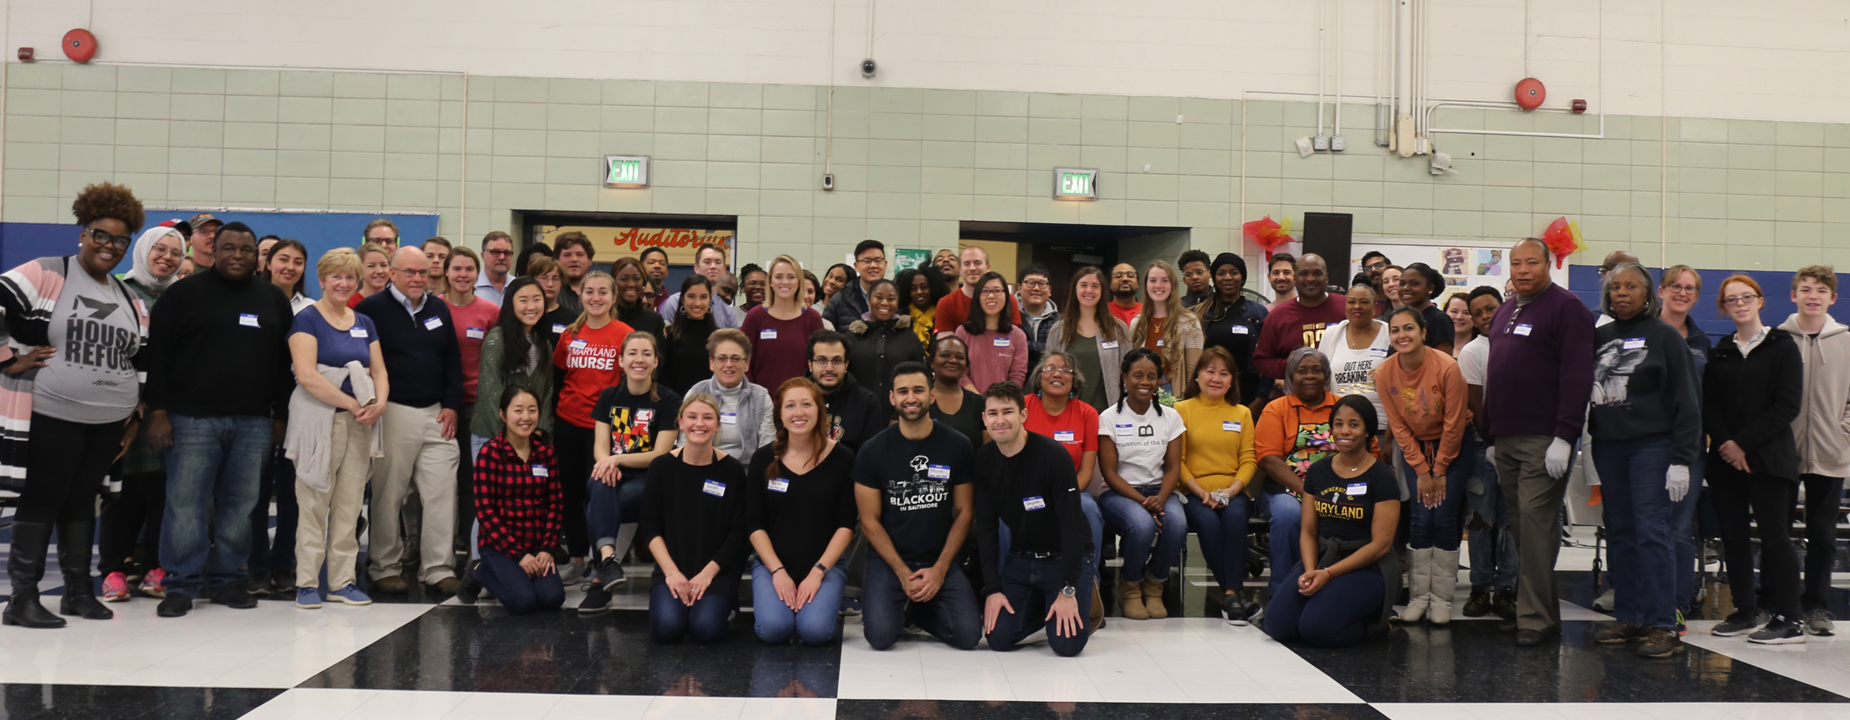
820	566
1068	591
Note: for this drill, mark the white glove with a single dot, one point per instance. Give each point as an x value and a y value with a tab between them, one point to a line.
1677	482
1556	462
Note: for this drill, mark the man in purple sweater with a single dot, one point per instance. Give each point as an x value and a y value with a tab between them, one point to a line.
1535	401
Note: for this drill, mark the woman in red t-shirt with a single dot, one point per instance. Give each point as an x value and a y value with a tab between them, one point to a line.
586	356
780	329
1054	410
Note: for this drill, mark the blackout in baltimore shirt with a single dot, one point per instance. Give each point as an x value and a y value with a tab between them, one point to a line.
915	479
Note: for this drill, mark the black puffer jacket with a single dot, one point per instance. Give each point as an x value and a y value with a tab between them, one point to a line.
877	347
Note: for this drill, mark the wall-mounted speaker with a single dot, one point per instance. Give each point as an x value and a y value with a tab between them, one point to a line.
1328	235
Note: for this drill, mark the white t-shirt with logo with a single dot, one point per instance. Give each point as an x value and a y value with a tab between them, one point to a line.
1352	372
1142	439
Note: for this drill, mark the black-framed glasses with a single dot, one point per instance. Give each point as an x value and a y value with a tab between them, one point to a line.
1740	300
107	240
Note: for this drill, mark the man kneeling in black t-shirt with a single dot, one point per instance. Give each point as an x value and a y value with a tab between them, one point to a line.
1027	481
913	490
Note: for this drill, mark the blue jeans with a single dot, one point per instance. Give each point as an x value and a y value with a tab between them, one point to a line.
503	577
1223	538
1437	527
1137	527
610	507
776	623
212	478
1287	522
1683	524
278	480
1032	585
1339	615
1493	547
707	622
953	615
1638	519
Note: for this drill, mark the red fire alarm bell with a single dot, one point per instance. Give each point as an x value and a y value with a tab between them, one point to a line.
80	45
1530	94
1580	106
25	54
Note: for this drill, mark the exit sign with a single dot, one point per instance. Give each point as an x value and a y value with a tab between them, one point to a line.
1075	184
626	171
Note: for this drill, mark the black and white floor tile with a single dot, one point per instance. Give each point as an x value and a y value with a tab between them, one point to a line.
418	659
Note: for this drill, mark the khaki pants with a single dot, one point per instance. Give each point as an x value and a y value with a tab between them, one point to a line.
415	451
334	513
1531	502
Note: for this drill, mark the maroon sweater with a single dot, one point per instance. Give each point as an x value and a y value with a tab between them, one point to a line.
1291	326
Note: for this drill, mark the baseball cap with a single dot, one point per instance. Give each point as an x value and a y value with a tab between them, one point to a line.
202	219
181	226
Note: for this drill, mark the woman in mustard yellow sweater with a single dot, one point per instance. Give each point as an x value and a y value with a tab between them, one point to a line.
1217	465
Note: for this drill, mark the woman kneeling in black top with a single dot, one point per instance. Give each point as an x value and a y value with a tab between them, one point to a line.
1341	593
799	509
693	516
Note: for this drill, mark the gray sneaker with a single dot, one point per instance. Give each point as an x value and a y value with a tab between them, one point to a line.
1818	622
1741	622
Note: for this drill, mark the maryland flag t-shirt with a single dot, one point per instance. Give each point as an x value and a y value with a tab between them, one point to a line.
635	420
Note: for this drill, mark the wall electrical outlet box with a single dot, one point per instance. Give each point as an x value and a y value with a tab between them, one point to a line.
1320	142
1304	149
1338	144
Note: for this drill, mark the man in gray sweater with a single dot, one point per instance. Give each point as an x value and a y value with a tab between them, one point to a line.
1822	430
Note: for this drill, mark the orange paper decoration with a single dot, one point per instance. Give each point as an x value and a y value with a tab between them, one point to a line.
1563	238
1269	234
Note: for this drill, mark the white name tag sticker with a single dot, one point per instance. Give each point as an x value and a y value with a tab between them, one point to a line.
358	332
541	471
433	323
558	329
1634	343
1159	341
1125	430
1242	330
1524	329
938	472
714	488
1357	489
1065	436
474	333
1229	426
778	485
1113	345
1000	342
579	344
728	418
767	334
1377	352
1032	504
247	320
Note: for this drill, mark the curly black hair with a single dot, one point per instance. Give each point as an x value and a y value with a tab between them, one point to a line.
108	200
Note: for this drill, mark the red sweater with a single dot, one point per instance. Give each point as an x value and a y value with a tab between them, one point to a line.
472	322
954	310
1292	326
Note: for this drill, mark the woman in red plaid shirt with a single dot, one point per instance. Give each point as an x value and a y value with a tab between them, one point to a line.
517	501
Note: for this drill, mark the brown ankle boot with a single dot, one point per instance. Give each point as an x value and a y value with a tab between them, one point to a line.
1153	599
1130	601
1097	619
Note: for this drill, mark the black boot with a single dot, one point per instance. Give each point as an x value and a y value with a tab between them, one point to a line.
74	557
25	566
469	590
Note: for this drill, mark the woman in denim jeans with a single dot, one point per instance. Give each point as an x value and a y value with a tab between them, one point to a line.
800	513
1140	454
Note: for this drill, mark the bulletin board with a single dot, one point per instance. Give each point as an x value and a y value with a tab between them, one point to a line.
1464	265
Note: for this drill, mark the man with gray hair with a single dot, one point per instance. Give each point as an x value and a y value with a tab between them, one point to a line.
1294	433
1535	404
425	364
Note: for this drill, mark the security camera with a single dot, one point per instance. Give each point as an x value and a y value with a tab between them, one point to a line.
868	67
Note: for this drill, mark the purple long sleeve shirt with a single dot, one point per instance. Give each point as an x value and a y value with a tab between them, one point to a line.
1541	366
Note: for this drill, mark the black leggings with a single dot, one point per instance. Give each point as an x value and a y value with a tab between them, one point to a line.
65	469
573	445
1769	499
132	519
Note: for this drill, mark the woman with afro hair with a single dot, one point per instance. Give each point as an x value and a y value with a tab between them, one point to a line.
75	389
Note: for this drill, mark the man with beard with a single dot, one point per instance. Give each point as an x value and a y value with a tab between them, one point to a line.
954	309
946	262
1282	275
710	261
912	486
575	253
855	412
655	265
497	259
1197	277
1124	305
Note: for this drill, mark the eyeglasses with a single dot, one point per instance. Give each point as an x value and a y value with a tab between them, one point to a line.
1740	300
1033	283
498	253
871	261
989	291
1683	289
829	362
1377	265
108	240
729	359
1511	325
1056	370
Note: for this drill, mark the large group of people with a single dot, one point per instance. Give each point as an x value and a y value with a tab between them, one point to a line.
957	449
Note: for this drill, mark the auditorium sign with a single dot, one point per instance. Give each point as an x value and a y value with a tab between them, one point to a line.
617	242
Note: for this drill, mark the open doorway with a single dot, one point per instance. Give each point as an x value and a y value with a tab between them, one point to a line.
628	234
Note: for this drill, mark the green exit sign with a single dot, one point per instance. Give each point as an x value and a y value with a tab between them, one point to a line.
1075	184
626	171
